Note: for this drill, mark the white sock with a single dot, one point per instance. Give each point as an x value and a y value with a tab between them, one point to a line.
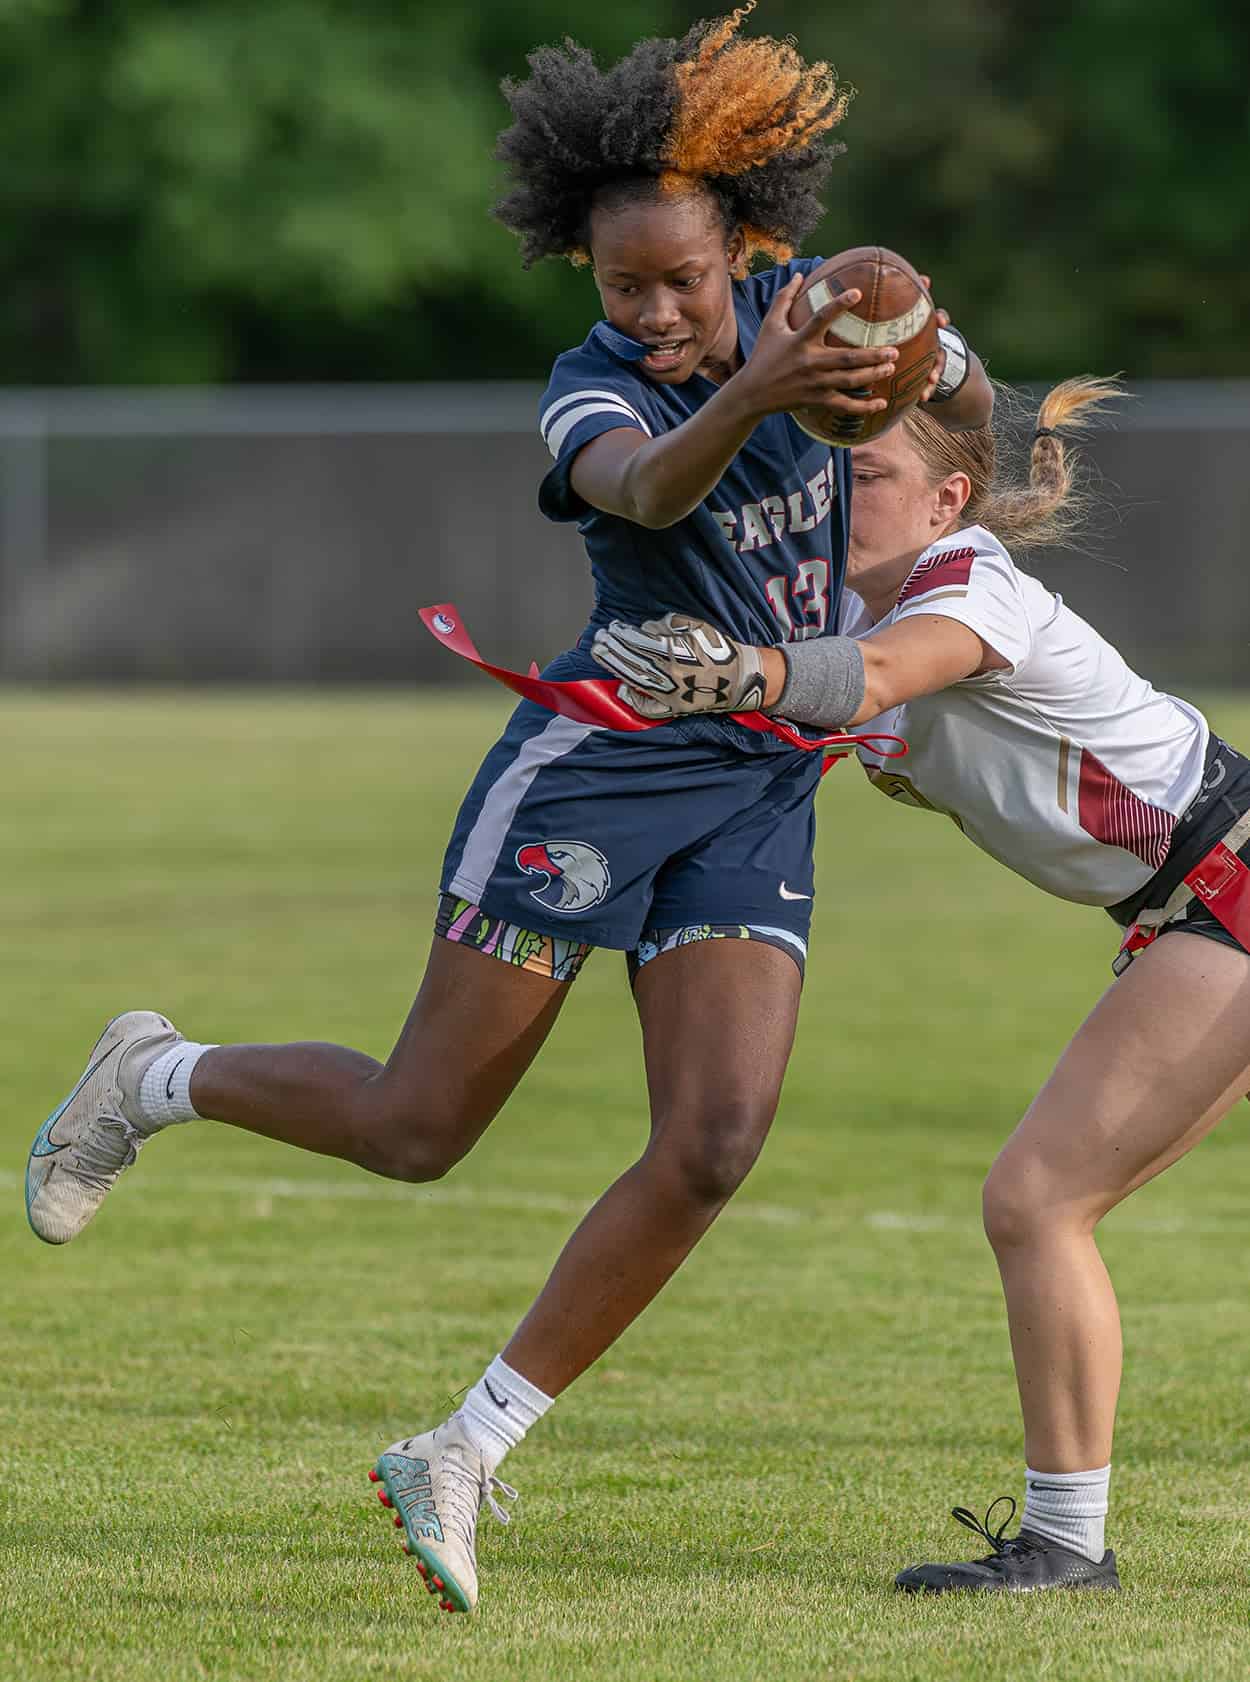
1069	1508
499	1410
165	1087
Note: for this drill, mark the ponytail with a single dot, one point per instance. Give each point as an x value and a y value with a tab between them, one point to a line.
1049	505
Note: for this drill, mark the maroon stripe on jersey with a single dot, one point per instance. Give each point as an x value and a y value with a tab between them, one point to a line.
951	566
1115	816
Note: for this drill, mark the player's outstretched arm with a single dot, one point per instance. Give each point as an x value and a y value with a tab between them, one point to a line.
679	665
657	481
847	680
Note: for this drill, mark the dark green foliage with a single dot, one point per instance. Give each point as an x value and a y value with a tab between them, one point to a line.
302	190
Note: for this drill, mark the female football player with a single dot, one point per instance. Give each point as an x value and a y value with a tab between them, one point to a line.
1033	734
673	452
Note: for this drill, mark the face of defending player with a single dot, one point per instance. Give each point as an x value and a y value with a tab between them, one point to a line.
662	270
896	511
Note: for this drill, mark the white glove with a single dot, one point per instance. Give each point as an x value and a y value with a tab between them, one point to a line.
676	666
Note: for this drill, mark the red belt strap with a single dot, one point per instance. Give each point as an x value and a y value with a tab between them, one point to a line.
1221	881
595	700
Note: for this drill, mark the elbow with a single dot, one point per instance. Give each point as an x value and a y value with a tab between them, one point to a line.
651	519
653	513
978	406
879	693
971	407
647	506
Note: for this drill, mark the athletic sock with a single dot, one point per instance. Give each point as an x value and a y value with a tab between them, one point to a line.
165	1087
499	1410
1069	1508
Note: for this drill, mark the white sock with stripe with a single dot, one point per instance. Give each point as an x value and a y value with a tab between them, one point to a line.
499	1410
165	1087
1069	1508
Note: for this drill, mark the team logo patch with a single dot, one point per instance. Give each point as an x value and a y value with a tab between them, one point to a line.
576	874
443	625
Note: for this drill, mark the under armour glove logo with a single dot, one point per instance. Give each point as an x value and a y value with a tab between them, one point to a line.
693	690
682	665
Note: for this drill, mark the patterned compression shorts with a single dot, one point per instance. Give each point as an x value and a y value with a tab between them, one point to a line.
560	960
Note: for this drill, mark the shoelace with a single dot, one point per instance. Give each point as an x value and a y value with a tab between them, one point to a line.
981	1527
99	1158
467	1492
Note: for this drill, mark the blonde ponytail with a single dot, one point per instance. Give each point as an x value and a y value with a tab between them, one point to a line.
1049	505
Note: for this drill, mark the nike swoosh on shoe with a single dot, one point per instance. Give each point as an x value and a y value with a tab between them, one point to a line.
44	1135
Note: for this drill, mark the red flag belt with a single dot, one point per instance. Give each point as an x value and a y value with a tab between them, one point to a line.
592	700
1221	882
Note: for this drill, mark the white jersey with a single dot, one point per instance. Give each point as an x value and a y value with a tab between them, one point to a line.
1066	766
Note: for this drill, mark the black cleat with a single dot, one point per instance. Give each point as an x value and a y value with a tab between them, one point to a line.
1021	1564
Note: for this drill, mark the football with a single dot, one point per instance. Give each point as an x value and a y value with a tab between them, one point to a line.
895	309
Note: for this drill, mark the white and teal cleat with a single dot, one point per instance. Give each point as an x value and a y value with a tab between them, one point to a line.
88	1142
436	1484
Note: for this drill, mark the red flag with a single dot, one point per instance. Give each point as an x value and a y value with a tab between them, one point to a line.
594	700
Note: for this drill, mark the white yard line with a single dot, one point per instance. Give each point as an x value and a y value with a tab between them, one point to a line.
546	1203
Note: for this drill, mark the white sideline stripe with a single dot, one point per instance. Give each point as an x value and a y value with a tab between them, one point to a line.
566	423
486	838
553	409
548	1203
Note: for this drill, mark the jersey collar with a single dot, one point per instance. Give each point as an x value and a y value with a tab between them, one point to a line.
624	349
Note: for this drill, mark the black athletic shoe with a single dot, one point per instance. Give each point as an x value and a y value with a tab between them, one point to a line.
1019	1565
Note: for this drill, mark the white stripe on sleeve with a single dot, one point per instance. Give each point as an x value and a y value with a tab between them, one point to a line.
560	431
553	409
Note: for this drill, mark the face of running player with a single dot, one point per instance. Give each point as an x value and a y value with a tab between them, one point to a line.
896	511
662	270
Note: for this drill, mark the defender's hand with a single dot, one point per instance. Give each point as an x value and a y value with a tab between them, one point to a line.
682	665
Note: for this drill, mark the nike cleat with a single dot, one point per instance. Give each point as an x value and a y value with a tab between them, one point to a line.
88	1141
436	1484
1022	1564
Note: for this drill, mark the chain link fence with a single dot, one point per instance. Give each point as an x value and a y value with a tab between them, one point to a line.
289	535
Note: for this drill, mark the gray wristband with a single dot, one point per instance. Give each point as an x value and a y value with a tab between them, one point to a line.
824	681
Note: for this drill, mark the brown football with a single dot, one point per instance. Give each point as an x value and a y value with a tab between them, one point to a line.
895	310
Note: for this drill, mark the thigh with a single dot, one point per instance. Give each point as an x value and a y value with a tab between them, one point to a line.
476	1026
1157	1063
718	1020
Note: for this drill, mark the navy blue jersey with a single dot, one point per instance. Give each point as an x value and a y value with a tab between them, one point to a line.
763	556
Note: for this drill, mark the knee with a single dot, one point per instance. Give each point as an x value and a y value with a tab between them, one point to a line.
706	1161
1004	1211
416	1145
1021	1209
416	1161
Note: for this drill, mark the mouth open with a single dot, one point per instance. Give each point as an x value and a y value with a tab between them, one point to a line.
663	357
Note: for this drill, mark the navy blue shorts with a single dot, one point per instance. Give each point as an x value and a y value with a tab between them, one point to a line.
594	835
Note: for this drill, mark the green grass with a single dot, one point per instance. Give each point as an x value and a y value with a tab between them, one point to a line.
193	1392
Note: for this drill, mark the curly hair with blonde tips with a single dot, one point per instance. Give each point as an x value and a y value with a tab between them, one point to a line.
745	120
1044	501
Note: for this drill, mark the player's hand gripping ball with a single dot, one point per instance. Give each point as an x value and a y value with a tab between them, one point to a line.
895	309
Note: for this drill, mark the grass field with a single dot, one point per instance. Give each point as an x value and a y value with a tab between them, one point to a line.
193	1392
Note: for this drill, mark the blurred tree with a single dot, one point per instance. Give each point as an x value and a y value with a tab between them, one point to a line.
205	189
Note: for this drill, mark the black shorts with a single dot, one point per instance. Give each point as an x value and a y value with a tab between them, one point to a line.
1223	798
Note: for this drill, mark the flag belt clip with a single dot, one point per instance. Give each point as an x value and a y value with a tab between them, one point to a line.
1220	881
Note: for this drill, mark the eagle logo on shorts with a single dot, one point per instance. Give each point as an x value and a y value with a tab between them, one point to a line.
576	874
